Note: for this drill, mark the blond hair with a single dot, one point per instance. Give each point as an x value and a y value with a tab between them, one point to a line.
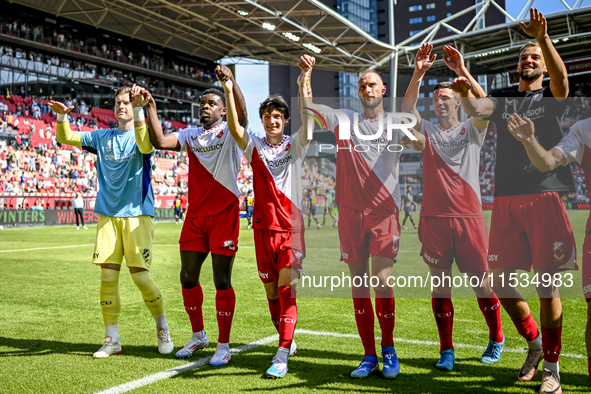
527	45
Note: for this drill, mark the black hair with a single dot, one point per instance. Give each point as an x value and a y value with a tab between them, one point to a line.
216	92
274	102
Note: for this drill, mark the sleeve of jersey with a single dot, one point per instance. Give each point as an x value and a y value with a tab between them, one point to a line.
476	134
247	152
298	150
181	136
65	136
572	145
90	141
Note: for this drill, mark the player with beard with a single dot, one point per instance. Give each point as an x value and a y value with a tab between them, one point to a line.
574	147
276	161
452	221
529	223
368	196
212	220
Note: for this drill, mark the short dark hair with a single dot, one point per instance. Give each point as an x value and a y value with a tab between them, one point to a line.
445	85
274	102
216	92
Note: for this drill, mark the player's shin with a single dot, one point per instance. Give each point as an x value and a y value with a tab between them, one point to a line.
110	300
152	296
225	303
275	310
364	318
288	316
443	311
491	310
385	309
193	301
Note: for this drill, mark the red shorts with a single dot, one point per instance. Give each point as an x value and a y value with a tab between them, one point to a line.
276	250
446	238
364	234
531	230
217	234
587	261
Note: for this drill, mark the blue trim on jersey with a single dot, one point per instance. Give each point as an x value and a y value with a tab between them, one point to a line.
147	176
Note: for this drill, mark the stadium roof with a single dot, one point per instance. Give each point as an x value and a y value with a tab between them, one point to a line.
273	30
494	49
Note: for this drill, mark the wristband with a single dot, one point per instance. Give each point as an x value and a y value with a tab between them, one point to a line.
61	117
138	114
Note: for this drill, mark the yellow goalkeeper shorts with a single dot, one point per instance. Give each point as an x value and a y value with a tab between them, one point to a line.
131	237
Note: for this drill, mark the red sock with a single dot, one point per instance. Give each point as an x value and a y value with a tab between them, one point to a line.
193	300
385	309
551	343
275	309
364	318
289	315
225	303
491	309
443	310
527	327
589	366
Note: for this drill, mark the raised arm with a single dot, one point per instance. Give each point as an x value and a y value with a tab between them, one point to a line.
478	107
305	101
306	63
538	28
423	62
237	131
157	137
523	130
418	144
63	133
224	73
455	61
139	99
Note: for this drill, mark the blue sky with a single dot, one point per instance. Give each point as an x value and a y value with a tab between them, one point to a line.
254	78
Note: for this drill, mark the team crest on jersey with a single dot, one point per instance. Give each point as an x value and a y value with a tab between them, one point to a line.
559	250
463	130
287	147
221	134
109	146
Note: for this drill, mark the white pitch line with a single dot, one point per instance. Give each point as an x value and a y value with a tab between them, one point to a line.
51	247
428	343
123	388
169	373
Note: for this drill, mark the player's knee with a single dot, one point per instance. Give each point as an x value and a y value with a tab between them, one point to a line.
109	276
222	281
189	279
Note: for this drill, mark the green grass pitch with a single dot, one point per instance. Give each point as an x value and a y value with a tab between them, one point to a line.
50	324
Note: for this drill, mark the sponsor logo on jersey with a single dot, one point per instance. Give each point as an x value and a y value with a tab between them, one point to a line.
276	163
121	157
207	149
517	105
558	249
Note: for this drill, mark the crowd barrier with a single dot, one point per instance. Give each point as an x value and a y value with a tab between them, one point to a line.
52	217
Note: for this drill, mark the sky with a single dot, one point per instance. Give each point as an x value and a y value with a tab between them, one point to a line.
254	78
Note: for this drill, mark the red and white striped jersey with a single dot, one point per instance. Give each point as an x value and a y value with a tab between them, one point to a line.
451	163
576	147
214	162
367	175
277	182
